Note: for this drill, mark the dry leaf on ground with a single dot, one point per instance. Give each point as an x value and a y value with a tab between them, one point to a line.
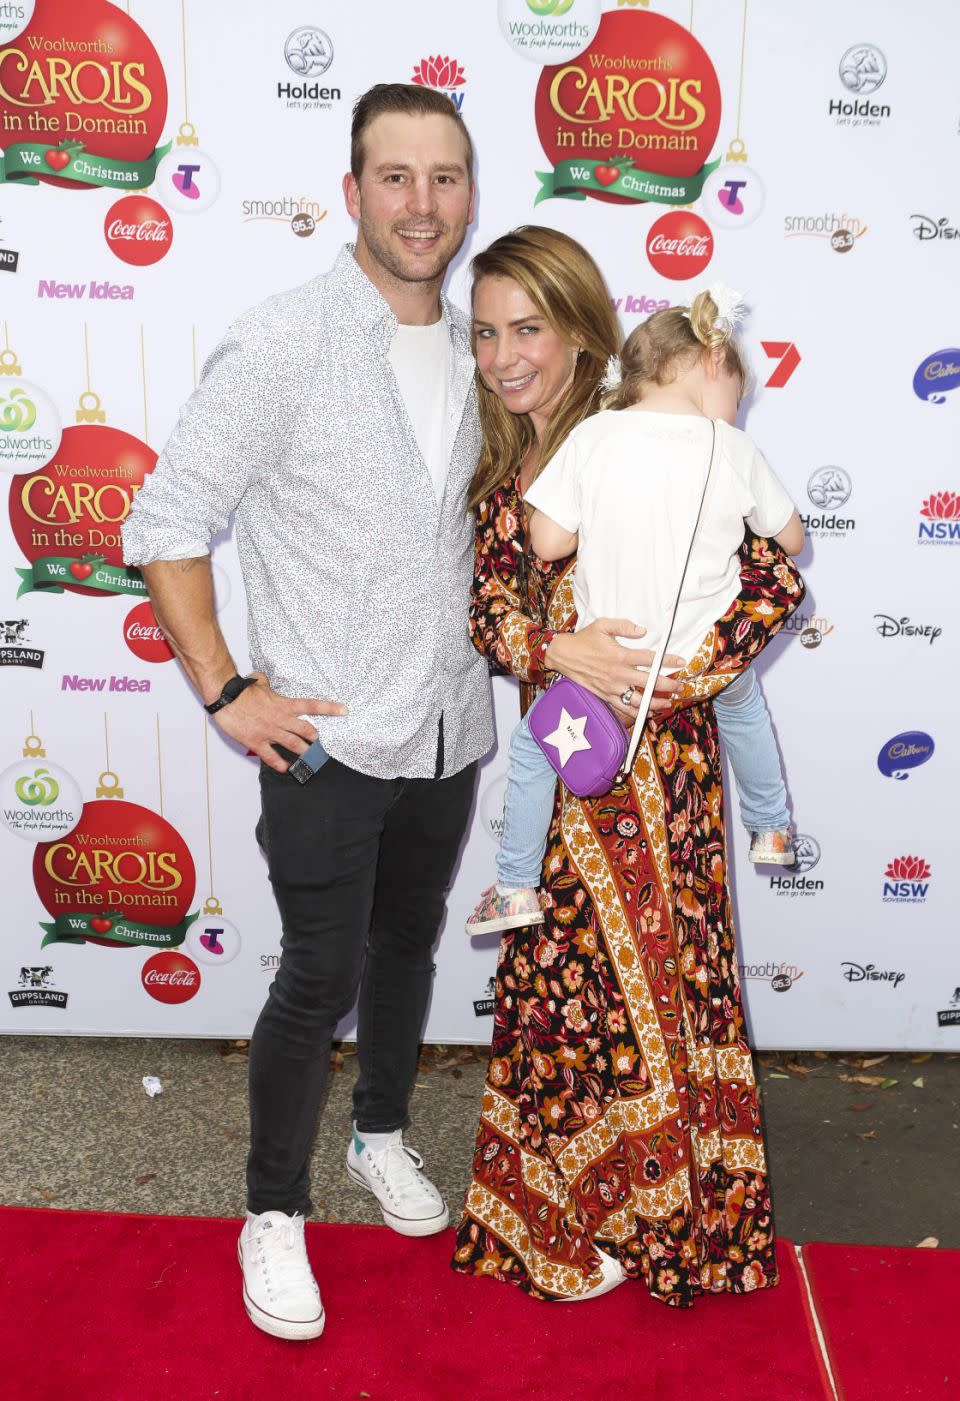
870	1133
918	1083
928	1243
875	1060
918	1060
871	1080
860	1105
144	1177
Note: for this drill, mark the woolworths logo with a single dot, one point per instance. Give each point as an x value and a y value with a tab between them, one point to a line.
549	7
39	788
549	31
18	413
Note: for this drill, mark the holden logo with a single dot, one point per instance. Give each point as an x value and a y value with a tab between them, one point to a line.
679	245
308	52
170	977
862	69
138	230
807	850
144	635
829	488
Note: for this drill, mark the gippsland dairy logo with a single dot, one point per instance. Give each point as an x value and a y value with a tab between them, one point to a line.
905	751
138	230
940	519
863	69
36	987
828	489
950	1016
679	245
83	99
308	52
39	802
300	214
888	626
170	978
935	376
549	31
483	1007
929	230
870	973
123	876
798	884
144	635
631	119
840	230
733	196
907	880
15	646
443	73
780	976
29	427
67	517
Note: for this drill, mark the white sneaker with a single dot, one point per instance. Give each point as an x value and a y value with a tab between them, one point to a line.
612	1273
409	1201
280	1293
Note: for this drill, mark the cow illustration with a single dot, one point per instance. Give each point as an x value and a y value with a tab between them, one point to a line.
35	977
14	629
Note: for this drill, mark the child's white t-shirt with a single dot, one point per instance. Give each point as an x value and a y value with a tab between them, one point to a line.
629	480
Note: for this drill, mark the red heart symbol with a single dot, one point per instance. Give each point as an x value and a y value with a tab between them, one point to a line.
80	570
57	160
101	925
607	174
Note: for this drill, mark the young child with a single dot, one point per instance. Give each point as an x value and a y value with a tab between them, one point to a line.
623	491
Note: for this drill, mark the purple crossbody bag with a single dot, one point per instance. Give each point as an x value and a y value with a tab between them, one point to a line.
580	734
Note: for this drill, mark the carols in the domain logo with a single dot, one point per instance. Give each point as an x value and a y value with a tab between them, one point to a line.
170	977
138	230
144	635
679	245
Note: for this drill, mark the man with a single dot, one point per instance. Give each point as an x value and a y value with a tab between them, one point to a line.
339	421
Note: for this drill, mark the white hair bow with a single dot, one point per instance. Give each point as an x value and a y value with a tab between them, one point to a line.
612	375
730	307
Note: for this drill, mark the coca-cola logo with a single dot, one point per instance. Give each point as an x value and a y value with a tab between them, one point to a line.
144	635
138	230
679	245
170	977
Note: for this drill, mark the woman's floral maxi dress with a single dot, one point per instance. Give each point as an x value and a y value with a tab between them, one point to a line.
620	1107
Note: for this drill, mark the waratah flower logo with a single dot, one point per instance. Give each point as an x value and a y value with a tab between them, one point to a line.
942	505
439	72
908	868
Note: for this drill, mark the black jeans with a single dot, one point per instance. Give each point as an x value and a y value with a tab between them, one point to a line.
360	868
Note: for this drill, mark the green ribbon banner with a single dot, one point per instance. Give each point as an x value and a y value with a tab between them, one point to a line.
51	573
573	179
25	160
75	927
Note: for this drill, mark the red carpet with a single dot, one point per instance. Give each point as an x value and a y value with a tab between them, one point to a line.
889	1319
137	1308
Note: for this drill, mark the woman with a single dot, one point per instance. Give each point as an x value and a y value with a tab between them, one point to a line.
620	1132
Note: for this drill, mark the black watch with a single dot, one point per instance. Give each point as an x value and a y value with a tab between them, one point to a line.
231	690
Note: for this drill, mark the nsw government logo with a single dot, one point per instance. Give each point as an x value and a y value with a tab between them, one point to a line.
905	751
442	73
907	881
308	52
798	884
36	988
940	519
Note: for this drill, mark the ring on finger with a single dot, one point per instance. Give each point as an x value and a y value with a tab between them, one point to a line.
627	696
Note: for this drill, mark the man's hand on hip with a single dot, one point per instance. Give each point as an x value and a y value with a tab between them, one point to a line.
260	718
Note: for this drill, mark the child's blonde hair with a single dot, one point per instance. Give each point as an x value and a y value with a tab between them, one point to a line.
669	342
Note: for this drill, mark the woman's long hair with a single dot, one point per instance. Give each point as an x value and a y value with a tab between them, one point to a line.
567	288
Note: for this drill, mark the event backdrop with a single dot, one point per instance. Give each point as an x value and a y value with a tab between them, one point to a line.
165	165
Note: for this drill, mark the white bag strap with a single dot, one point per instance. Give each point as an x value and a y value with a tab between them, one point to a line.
660	653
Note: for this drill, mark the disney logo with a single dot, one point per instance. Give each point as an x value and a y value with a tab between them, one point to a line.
902	627
856	973
926	228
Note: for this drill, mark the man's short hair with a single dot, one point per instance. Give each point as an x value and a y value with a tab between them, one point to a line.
409	99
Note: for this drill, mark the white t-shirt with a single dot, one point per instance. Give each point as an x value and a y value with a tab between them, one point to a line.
630	481
421	357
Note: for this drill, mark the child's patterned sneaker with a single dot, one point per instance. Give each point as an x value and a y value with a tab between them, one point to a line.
510	911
